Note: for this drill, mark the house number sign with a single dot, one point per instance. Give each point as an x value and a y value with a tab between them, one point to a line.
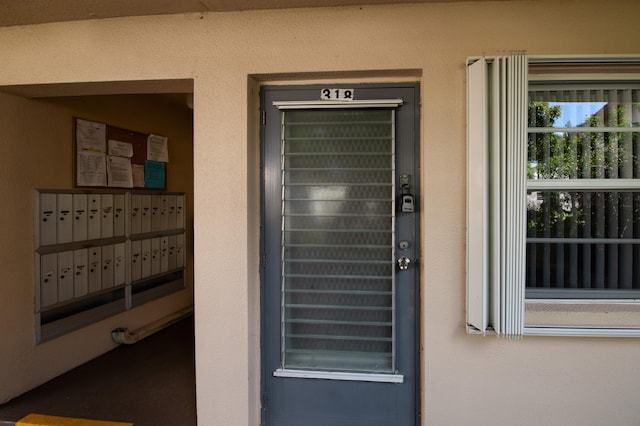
337	94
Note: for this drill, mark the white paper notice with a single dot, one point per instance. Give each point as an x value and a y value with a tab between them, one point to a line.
137	170
119	169
91	169
120	149
157	149
91	136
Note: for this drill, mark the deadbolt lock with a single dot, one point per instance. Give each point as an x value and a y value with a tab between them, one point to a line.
403	263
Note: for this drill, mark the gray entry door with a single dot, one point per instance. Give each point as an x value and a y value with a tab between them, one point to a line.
339	244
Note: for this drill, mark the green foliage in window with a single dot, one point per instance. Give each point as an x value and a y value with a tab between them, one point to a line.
576	154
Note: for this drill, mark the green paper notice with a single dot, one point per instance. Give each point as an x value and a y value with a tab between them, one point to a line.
154	174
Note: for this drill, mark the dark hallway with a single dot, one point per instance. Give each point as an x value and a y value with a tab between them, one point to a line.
150	383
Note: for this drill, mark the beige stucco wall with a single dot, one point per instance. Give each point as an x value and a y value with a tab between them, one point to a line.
465	379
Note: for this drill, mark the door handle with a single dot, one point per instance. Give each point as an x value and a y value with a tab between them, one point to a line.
403	263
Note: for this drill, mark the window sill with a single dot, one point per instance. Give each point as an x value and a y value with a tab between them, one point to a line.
581	332
578	318
615	318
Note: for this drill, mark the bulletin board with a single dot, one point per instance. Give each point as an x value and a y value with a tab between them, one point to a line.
112	157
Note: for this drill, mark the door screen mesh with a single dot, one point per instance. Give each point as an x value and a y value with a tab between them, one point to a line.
338	239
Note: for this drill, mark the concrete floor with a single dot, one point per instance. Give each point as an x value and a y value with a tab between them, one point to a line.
150	383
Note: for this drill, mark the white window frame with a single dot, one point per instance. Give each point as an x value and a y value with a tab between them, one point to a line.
496	113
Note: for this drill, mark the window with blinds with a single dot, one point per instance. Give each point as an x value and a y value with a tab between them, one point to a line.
554	228
337	239
583	191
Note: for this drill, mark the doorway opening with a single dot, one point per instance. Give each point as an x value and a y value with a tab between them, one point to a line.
39	132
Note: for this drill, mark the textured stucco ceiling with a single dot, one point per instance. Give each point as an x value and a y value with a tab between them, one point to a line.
25	12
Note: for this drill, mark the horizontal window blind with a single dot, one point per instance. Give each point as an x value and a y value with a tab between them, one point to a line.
583	221
337	239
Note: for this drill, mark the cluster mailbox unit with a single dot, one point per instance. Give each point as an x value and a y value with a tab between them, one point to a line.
98	253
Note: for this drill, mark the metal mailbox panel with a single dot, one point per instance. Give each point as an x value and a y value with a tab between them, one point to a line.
136	214
95	269
79	217
146	214
65	276
146	259
136	260
164	212
155	256
94	231
65	218
171	212
180	212
164	254
172	257
180	250
119	264
47	219
48	280
156	209
118	215
80	272
107	266
106	220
